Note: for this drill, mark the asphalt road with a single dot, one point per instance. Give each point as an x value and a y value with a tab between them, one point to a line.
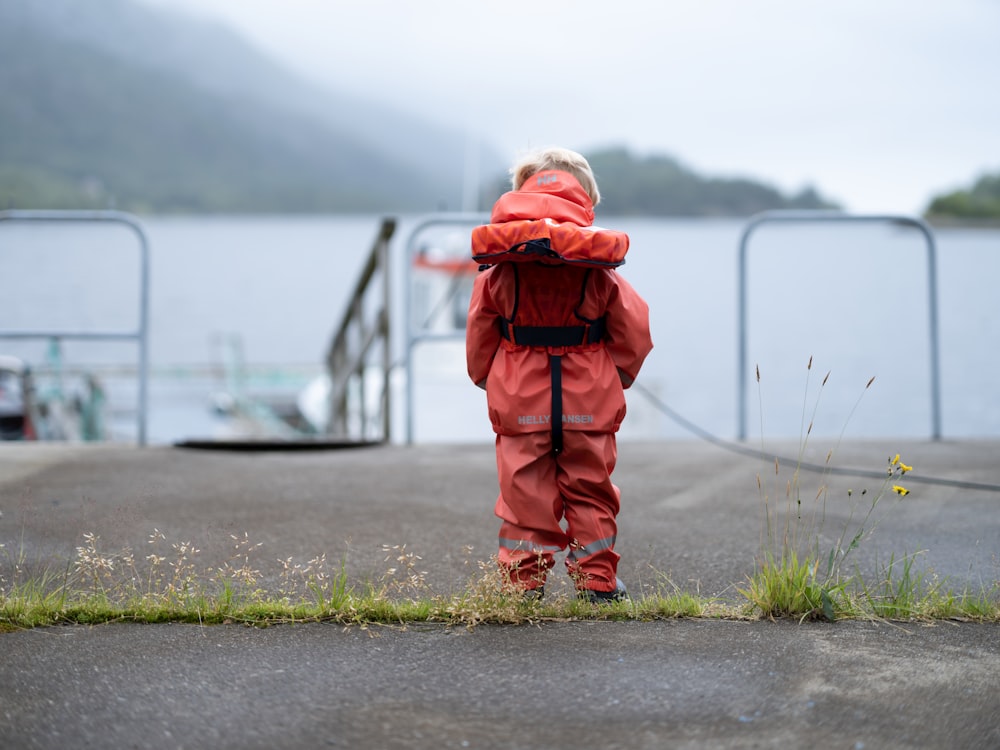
591	684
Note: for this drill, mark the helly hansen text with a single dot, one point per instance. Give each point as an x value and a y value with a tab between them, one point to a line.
547	419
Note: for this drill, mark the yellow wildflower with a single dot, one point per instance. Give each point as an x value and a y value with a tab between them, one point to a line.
894	461
901	491
904	468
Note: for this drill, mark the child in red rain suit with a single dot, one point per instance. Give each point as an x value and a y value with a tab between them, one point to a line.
554	336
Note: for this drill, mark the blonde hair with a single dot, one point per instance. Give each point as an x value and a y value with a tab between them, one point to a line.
556	158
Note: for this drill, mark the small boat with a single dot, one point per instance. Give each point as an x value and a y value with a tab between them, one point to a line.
16	389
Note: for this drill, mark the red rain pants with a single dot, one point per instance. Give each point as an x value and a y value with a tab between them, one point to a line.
540	489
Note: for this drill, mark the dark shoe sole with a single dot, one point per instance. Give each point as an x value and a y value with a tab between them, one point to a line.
620	594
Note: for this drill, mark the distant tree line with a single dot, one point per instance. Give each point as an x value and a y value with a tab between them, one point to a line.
980	202
660	185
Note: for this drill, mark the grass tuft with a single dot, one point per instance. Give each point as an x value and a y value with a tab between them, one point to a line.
795	577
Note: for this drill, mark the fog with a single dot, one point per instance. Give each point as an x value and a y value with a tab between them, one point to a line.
879	105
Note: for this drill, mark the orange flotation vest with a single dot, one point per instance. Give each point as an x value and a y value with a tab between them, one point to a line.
565	235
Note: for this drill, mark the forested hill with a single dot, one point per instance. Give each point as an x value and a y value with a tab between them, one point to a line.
662	186
115	103
978	203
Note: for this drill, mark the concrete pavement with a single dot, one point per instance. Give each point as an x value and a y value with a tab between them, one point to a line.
692	514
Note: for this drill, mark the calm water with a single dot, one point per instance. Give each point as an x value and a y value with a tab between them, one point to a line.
852	297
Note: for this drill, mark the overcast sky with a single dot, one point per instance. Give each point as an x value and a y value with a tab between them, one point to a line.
878	103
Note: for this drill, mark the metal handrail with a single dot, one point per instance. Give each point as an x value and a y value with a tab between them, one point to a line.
835	216
413	335
347	357
140	334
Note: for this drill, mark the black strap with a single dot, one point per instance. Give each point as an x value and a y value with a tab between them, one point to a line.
555	365
591	333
